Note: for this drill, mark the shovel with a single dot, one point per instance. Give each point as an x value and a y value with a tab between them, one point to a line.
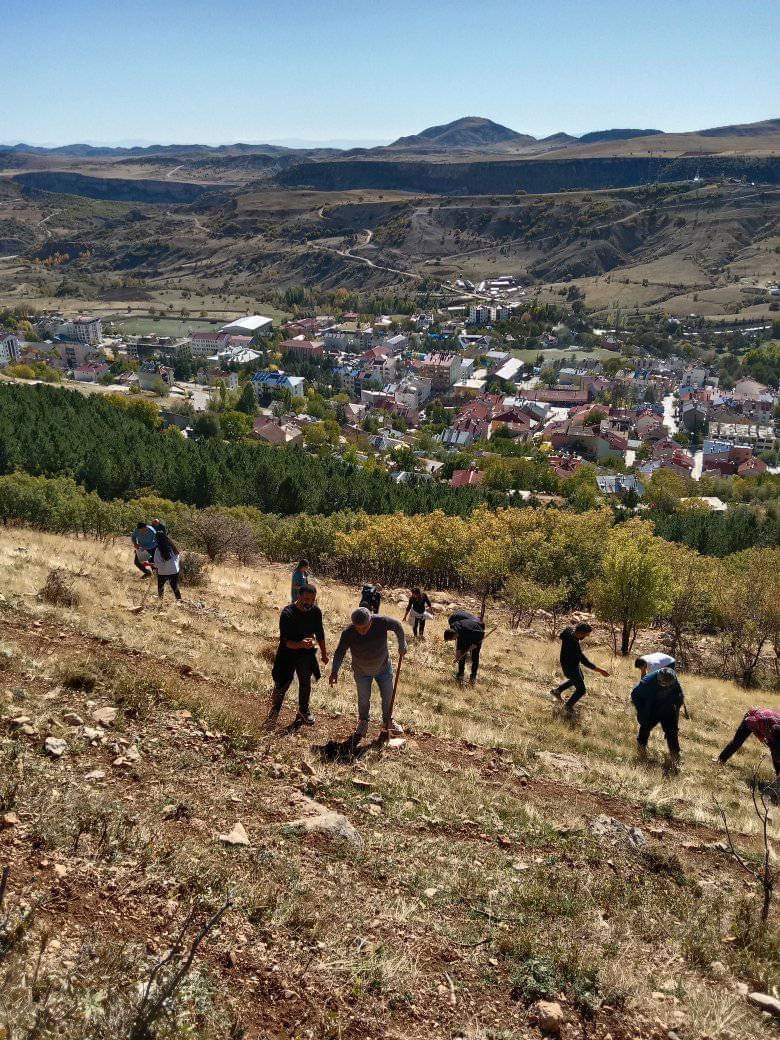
386	732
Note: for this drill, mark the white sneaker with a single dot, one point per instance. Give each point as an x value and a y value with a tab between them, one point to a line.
395	727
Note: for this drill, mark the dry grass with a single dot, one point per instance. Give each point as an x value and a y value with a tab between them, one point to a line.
468	870
229	631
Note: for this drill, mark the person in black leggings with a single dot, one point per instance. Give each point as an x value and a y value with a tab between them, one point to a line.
417	605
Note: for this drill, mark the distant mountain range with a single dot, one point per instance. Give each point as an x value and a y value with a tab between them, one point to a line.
471	134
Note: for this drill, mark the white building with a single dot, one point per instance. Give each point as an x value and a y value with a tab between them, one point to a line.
412	393
205	343
251	325
10	348
87	330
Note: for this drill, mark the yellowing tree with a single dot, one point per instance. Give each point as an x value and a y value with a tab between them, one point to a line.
635	584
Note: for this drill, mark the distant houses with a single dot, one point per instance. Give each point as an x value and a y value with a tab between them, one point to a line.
268	382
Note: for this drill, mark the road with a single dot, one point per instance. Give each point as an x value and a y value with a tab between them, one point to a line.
170	173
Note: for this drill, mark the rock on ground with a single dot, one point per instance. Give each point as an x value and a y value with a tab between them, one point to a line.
614	830
330	824
765	1002
55	746
549	1016
236	836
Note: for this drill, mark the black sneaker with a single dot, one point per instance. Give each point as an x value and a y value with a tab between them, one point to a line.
556	693
306	719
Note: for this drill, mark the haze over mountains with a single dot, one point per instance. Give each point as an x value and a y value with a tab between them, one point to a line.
469	134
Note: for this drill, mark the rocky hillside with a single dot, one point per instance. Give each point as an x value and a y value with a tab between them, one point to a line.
501	872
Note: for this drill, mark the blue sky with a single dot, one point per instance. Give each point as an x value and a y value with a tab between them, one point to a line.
251	70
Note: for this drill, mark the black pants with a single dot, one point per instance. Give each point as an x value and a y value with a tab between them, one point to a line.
577	680
739	738
669	721
304	667
173	581
463	649
418	626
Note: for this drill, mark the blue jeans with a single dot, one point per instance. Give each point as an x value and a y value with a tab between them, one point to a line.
384	680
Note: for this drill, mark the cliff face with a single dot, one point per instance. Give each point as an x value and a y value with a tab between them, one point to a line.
532	175
113	189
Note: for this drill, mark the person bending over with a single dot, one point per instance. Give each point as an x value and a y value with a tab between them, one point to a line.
468	631
658	698
764	724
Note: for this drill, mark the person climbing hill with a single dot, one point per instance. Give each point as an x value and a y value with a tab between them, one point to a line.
764	724
572	660
658	698
419	608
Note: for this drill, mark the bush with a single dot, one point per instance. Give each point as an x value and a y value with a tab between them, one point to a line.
194	569
221	535
59	589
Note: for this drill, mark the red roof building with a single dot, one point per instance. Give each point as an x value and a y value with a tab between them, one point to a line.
466	478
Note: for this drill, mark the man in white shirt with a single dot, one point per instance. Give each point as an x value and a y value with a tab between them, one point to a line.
649	663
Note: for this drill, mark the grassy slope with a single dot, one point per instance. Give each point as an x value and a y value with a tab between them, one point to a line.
478	886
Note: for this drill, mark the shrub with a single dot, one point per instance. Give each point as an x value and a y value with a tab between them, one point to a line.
59	589
194	569
221	535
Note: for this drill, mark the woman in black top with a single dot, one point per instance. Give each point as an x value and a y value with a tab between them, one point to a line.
417	606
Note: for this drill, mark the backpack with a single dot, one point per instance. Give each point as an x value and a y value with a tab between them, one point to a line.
370	598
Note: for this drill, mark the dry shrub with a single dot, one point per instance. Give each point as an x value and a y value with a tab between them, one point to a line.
59	589
222	536
194	569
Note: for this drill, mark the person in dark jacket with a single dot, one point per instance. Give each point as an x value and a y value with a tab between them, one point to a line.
144	539
572	661
764	725
658	699
419	606
468	631
300	631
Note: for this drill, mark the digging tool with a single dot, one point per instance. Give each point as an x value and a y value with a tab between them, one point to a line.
395	690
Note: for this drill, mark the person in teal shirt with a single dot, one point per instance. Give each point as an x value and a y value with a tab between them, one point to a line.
301	576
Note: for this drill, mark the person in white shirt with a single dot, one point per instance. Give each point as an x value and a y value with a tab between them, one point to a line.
654	662
166	563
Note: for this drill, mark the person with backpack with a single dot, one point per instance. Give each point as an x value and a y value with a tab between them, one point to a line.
366	639
658	698
419	607
572	660
166	563
764	725
144	539
371	598
468	631
300	577
300	632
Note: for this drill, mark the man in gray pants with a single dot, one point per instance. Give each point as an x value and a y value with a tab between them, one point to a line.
366	638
